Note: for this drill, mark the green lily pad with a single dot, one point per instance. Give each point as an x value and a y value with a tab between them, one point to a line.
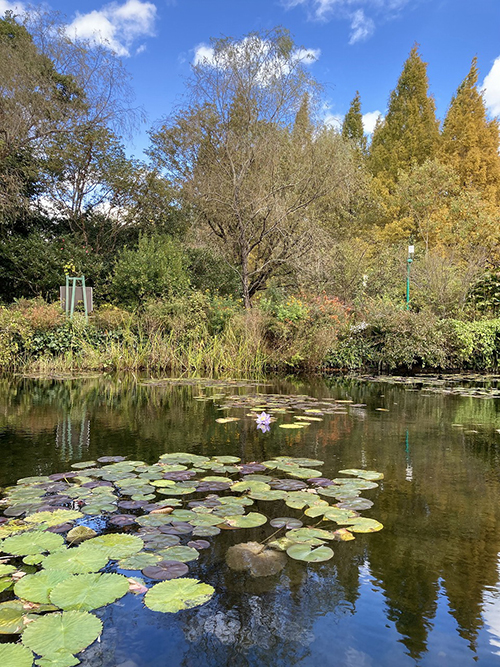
250	485
139	560
172	596
294	425
54	518
304	534
5	583
226	420
34	559
163	483
62	659
273	494
76	560
206	520
206	531
67	632
13	618
15	655
362	525
85	592
153	520
227	459
250	520
84	464
304	473
309	555
6	569
235	500
299	499
370	475
37	587
115	545
286	522
179	553
183	457
32	542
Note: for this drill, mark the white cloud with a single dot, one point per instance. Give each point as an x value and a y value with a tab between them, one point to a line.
491	86
274	66
334	120
361	27
115	25
16	7
370	120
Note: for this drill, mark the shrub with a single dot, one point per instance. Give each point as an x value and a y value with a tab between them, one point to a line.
154	270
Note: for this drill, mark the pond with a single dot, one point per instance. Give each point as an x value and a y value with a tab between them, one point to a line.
424	590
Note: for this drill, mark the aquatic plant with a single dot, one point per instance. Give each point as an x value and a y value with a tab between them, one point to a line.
56	560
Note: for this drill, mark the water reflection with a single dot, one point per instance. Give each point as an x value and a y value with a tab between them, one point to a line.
423	591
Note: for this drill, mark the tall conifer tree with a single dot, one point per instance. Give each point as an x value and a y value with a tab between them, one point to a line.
352	127
470	141
409	134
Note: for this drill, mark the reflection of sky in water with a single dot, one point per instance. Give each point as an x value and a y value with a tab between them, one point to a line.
491	615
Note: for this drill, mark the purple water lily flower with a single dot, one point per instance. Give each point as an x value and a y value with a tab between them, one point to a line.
264	422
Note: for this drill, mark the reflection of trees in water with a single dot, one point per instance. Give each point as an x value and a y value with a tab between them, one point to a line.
441	524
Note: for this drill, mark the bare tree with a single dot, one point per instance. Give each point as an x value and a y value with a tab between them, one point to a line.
241	160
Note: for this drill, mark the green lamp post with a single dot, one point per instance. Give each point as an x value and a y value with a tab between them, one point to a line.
411	252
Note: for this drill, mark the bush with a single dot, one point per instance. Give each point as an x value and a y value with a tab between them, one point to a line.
474	345
154	270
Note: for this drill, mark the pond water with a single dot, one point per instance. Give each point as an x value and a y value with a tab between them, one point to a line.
423	591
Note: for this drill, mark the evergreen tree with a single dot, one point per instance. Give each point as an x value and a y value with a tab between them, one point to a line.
302	131
409	134
352	127
470	141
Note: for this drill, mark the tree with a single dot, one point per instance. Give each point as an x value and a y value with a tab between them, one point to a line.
352	127
470	142
250	180
409	134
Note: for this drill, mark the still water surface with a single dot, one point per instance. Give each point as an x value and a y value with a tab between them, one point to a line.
424	591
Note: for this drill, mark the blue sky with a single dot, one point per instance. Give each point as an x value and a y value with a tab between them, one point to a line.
359	44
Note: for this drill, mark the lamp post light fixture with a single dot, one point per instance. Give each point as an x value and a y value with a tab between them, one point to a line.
411	252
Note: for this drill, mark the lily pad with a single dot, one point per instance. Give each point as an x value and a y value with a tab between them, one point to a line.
285	522
54	518
362	525
6	569
67	632
309	555
268	495
370	475
179	553
15	655
294	425
13	618
32	542
138	561
37	587
76	560
84	592
305	534
250	520
166	569
172	596
227	420
80	534
115	545
206	531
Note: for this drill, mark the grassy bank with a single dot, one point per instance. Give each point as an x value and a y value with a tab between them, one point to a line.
207	334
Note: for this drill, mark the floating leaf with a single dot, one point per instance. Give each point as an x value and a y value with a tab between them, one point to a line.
68	632
172	596
293	425
13	618
5	583
166	569
251	520
305	553
362	525
206	531
114	545
226	420
357	504
32	542
54	518
62	659
79	534
182	554
343	535
138	561
36	587
227	459
76	560
198	544
370	475
15	655
305	534
6	569
304	473
84	592
268	495
250	485
285	522
84	464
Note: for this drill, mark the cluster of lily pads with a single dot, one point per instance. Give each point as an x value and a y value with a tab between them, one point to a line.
59	532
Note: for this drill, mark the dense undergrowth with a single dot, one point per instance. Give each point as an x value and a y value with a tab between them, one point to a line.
205	333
